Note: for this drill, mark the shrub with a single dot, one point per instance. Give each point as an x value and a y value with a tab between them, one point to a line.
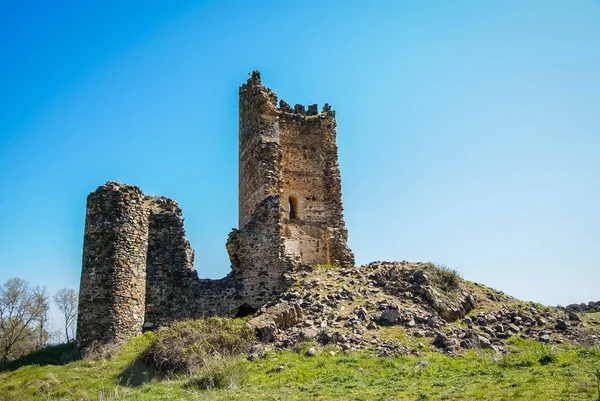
545	359
98	351
302	347
191	344
446	278
586	352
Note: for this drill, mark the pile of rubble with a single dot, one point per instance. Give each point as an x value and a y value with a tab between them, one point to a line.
491	329
399	307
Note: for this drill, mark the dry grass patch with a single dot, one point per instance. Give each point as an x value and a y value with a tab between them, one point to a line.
188	345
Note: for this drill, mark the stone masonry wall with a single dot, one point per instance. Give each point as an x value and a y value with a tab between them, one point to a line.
259	151
258	257
170	262
137	269
284	154
113	276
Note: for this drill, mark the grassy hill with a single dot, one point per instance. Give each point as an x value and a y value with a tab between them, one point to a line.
531	371
385	331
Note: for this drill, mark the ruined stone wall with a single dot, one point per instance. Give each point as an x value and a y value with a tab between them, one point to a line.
257	255
169	265
113	276
138	267
256	249
174	291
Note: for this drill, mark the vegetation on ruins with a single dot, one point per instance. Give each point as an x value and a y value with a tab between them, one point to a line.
447	278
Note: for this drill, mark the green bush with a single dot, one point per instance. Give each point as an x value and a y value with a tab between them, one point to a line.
302	347
191	344
547	359
446	278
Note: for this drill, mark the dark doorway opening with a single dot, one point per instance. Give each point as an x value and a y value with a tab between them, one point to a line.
245	310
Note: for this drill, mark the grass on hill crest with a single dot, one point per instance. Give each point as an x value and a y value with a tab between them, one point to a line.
531	372
206	360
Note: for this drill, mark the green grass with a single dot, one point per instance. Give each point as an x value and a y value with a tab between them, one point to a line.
595	316
55	355
532	372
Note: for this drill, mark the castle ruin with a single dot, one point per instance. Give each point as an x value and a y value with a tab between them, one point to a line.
137	269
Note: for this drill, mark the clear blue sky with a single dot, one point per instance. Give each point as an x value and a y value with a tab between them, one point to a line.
468	131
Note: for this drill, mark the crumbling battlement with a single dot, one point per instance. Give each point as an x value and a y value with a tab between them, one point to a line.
137	269
299	109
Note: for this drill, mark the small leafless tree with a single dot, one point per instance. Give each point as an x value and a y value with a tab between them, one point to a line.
66	301
41	304
23	318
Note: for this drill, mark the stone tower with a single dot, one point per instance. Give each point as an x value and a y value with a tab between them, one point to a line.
113	275
290	155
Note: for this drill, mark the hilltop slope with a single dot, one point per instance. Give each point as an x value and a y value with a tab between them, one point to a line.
396	307
388	331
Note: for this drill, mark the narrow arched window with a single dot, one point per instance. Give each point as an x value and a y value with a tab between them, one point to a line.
293	207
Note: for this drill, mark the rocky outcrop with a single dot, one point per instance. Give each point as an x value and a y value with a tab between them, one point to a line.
440	287
356	309
275	319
